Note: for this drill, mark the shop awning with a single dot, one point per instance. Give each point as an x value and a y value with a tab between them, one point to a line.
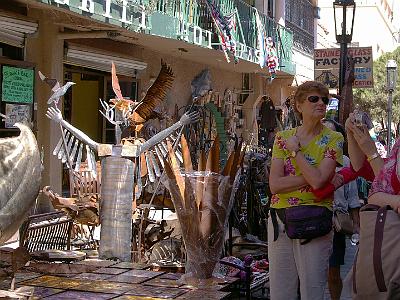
13	31
101	60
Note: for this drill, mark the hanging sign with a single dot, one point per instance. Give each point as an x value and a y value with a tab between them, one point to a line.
17	85
327	64
16	113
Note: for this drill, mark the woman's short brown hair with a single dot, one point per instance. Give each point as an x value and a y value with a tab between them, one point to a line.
307	87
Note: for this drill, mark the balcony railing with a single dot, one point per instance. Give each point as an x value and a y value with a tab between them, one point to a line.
303	40
299	18
196	12
188	20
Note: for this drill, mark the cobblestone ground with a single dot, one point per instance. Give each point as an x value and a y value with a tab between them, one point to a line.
348	264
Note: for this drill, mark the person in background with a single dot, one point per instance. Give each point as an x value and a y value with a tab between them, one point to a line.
333	108
345	201
303	158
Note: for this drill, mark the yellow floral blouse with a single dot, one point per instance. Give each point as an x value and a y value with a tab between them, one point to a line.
327	144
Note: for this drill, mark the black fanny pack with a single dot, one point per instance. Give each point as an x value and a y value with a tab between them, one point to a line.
303	222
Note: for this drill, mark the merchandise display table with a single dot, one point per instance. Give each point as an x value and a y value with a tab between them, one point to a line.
101	279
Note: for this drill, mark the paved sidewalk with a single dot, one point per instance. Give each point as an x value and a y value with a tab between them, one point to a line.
348	264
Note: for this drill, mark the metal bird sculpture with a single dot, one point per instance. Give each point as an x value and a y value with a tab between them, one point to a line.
135	158
58	91
145	109
149	154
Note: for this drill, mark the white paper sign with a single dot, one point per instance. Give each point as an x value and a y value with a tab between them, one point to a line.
16	113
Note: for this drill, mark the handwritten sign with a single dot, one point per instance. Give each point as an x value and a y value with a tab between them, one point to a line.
327	64
16	113
17	85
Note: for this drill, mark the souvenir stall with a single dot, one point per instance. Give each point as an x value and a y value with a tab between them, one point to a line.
198	160
136	159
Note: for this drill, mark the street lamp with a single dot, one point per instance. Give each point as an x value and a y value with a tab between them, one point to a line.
391	78
344	12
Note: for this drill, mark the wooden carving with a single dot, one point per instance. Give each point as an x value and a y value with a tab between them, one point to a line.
346	105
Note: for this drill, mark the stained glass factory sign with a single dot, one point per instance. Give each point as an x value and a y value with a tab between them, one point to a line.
327	62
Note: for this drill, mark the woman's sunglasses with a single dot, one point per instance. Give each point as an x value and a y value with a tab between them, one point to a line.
315	99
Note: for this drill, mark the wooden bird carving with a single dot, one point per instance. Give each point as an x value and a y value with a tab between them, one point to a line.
347	91
145	109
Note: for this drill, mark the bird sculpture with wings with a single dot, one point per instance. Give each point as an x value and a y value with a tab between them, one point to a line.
123	164
131	114
145	109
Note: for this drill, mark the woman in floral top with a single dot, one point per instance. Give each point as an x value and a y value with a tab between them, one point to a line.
303	158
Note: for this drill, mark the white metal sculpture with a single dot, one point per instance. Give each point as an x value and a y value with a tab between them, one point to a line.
124	163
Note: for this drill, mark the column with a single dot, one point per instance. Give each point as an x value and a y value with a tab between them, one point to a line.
46	51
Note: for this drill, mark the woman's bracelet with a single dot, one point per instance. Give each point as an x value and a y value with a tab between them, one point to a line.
373	156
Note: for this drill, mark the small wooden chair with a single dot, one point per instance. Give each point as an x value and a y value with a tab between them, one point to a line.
83	184
86	188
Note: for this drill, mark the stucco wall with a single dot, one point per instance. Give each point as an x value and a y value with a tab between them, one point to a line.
304	66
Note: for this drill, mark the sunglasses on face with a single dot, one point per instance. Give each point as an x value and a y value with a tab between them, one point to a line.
315	99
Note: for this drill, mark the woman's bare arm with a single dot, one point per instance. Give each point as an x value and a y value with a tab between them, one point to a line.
319	176
361	146
356	155
278	183
383	199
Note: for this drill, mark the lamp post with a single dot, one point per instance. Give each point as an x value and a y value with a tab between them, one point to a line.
343	11
391	78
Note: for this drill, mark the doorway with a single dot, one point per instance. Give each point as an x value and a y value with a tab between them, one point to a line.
82	105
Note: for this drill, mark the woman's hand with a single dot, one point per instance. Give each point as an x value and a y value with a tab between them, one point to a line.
382	199
337	180
395	204
293	143
364	140
349	125
396	207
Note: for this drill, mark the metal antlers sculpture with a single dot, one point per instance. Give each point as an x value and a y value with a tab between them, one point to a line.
122	164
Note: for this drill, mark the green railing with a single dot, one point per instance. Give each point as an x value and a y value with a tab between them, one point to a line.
182	19
195	12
